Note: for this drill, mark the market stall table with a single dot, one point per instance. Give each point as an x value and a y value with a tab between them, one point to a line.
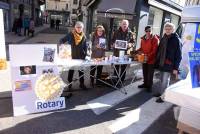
84	66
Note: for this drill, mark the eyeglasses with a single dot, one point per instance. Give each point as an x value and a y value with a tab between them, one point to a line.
148	31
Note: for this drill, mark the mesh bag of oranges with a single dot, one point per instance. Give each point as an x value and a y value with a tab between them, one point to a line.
3	64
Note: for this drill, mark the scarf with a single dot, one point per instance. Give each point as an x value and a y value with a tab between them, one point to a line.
78	37
161	55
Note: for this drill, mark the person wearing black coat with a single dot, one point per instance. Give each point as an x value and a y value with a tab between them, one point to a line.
77	40
124	34
168	58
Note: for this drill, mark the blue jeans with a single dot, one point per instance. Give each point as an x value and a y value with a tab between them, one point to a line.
164	81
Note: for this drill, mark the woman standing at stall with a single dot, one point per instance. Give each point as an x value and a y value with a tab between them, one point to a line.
77	40
98	52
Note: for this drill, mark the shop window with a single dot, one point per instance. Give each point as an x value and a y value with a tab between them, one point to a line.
155	19
66	7
175	20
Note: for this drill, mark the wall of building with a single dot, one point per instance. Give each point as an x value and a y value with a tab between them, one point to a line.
57	5
156	17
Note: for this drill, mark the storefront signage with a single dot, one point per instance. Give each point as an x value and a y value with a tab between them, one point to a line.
2	37
50	105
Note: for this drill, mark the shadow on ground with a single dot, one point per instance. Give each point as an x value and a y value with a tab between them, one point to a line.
165	124
67	120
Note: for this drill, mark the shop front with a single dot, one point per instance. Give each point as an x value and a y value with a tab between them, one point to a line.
139	13
5	7
109	14
63	16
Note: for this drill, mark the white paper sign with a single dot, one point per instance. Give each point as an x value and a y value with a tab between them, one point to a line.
2	37
24	77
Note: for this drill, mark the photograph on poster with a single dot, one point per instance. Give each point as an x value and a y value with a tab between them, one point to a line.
23	85
64	51
102	43
27	70
121	44
48	54
50	70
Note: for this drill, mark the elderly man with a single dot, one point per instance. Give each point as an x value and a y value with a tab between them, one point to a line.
124	34
77	40
168	58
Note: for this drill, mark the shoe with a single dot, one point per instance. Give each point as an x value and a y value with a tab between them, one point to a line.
82	86
157	95
142	86
159	100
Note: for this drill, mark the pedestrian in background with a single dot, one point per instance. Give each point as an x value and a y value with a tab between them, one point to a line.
31	27
98	52
168	58
76	38
149	45
124	33
26	24
19	26
57	24
14	28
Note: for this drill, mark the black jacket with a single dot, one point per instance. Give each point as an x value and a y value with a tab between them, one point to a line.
173	54
78	51
120	35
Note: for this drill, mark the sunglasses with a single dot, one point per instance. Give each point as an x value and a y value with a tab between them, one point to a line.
148	31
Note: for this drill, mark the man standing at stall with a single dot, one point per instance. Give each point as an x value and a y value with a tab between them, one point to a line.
124	33
77	40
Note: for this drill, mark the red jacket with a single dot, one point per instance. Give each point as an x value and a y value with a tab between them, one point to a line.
149	47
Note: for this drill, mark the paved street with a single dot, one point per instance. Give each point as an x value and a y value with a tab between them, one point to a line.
77	118
137	114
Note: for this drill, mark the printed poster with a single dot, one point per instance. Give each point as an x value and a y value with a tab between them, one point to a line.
194	58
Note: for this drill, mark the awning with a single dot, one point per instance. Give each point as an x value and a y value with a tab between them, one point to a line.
4	5
164	7
116	8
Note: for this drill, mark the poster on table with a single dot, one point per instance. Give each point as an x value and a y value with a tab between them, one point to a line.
3	64
190	40
194	58
36	85
191	53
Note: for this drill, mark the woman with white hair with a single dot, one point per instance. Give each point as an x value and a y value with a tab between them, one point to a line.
168	58
76	38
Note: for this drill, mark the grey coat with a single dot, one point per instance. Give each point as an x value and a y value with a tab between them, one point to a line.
97	52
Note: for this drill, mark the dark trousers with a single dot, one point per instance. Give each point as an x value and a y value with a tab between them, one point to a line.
70	76
148	71
57	27
122	73
98	75
26	30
